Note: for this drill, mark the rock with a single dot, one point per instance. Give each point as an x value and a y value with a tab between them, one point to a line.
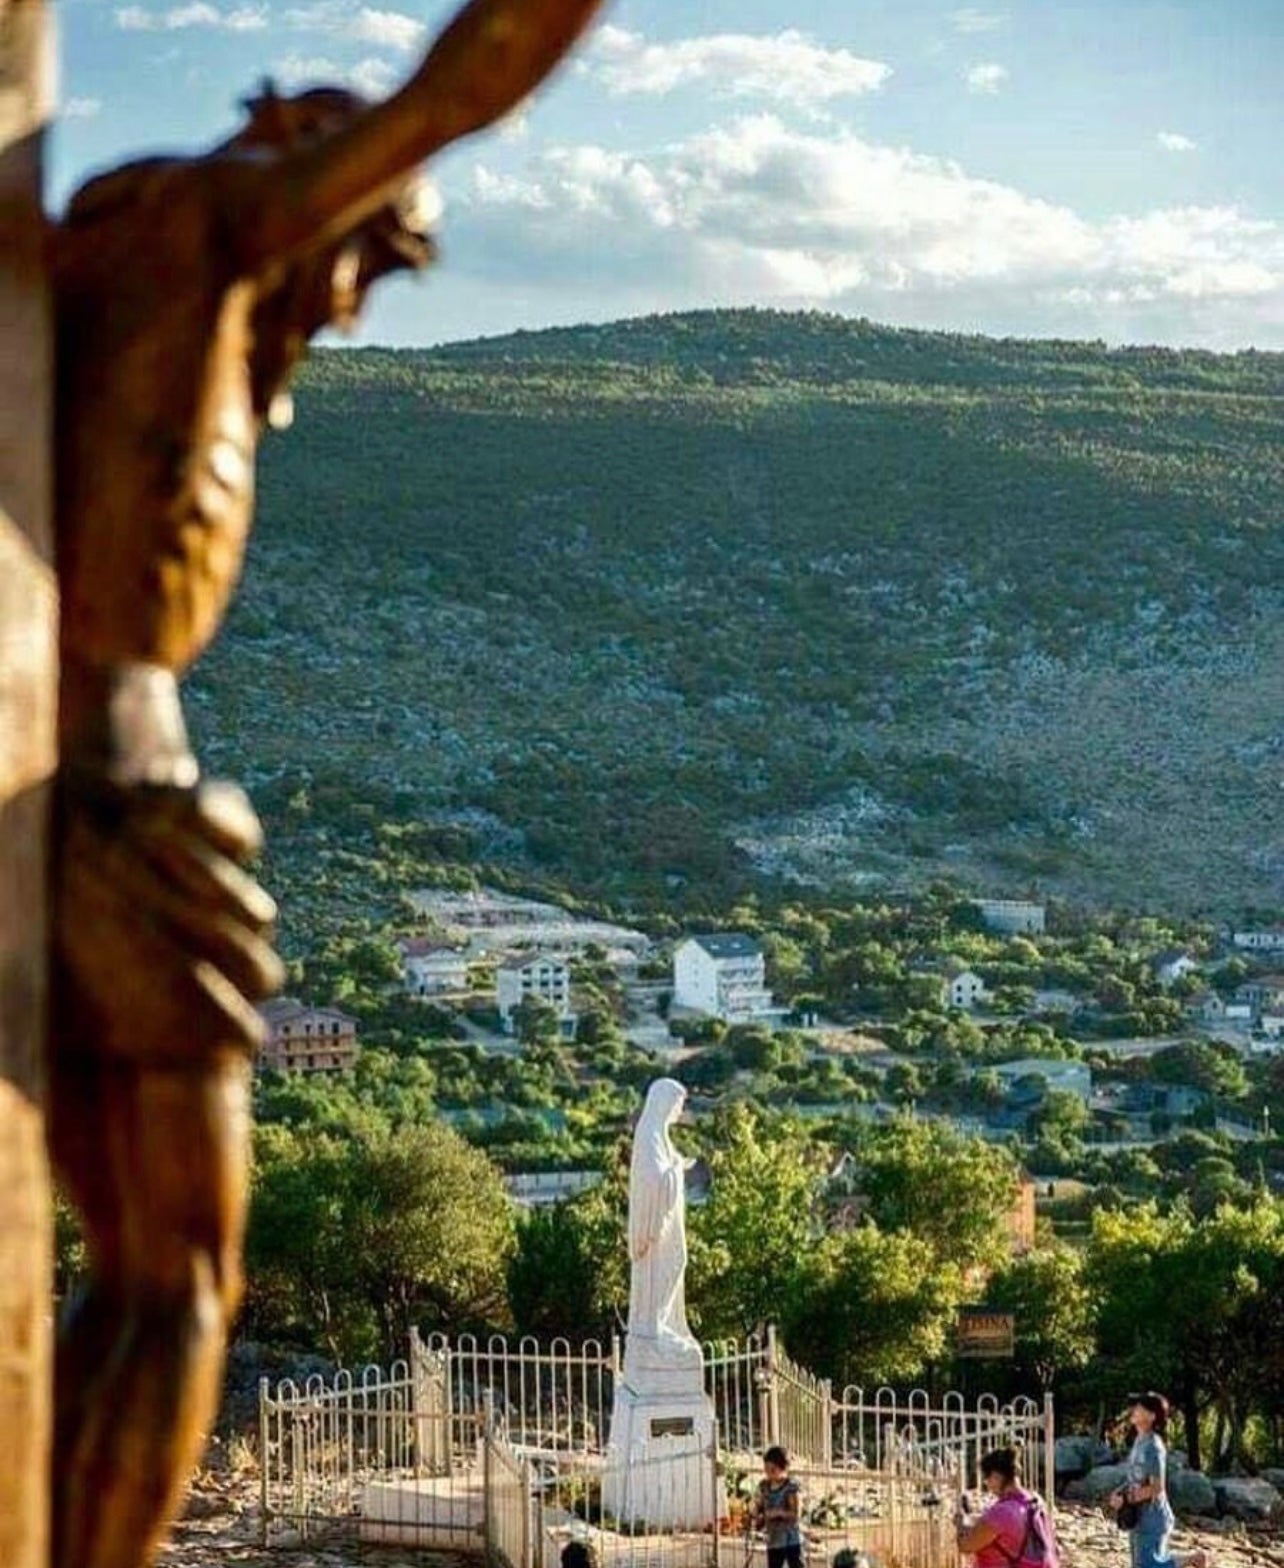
1247	1497
204	1505
1275	1477
1191	1492
1078	1454
1098	1484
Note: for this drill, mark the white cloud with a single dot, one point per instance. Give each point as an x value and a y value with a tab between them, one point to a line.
759	211
986	77
371	77
971	20
378	29
1174	141
786	67
238	19
81	109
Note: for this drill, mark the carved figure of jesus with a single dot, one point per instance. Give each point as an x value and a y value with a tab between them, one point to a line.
186	289
658	1334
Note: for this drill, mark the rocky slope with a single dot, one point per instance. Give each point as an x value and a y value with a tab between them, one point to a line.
686	601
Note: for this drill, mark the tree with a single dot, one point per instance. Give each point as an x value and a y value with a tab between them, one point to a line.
535	1022
552	1288
878	1307
1055	1320
750	1242
601	1218
952	1192
356	1238
1061	1117
1195	1306
1215	1068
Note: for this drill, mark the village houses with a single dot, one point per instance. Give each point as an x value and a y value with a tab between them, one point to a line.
954	983
1068	1077
303	1039
541	977
1263	993
1012	916
1259	939
723	975
1172	965
431	968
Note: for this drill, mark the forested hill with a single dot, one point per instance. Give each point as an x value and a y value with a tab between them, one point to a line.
682	601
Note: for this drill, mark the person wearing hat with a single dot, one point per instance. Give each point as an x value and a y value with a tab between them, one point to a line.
1147	1487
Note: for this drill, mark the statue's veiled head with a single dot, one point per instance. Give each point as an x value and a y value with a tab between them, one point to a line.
665	1100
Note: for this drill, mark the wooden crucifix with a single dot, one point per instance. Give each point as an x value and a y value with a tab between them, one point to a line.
182	292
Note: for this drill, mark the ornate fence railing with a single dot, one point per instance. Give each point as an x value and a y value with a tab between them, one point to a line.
499	1446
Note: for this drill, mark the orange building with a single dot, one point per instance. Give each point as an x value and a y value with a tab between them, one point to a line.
304	1039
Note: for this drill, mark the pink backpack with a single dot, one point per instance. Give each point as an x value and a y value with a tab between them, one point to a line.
1039	1545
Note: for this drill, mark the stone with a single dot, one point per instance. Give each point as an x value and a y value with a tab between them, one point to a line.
1247	1497
205	1505
1078	1453
1191	1492
1098	1484
1276	1479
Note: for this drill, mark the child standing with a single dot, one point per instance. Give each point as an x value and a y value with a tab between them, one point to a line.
778	1510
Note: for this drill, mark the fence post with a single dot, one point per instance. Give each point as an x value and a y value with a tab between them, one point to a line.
528	1514
827	1423
1049	1451
264	1440
488	1479
773	1386
714	1495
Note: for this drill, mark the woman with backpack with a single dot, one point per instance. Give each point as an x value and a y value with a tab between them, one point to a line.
1015	1530
1141	1506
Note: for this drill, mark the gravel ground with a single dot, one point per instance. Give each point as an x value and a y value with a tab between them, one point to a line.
222	1529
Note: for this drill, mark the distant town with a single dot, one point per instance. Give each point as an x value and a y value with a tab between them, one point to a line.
1017	1025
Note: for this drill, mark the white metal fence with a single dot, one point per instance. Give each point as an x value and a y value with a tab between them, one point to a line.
497	1447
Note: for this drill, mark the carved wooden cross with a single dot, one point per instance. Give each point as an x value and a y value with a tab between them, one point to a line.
167	307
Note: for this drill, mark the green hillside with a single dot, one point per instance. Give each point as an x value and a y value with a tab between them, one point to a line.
678	602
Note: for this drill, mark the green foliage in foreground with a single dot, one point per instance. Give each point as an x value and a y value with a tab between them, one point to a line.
355	1238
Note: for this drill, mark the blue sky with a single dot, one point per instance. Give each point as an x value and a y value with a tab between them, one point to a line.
1093	169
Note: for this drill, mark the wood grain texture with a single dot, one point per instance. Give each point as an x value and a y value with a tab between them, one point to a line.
27	729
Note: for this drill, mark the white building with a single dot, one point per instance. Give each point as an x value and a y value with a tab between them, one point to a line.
1207	1006
1056	1001
431	968
965	989
1172	965
1012	916
1260	939
542	976
723	976
957	985
541	1189
1070	1077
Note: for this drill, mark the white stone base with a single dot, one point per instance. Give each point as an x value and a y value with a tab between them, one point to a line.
442	1512
660	1467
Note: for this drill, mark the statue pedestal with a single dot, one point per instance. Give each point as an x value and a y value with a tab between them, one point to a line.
661	1465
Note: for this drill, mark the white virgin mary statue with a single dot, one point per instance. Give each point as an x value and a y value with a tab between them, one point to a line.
659	1337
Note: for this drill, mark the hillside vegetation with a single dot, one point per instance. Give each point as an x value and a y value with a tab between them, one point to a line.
683	602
